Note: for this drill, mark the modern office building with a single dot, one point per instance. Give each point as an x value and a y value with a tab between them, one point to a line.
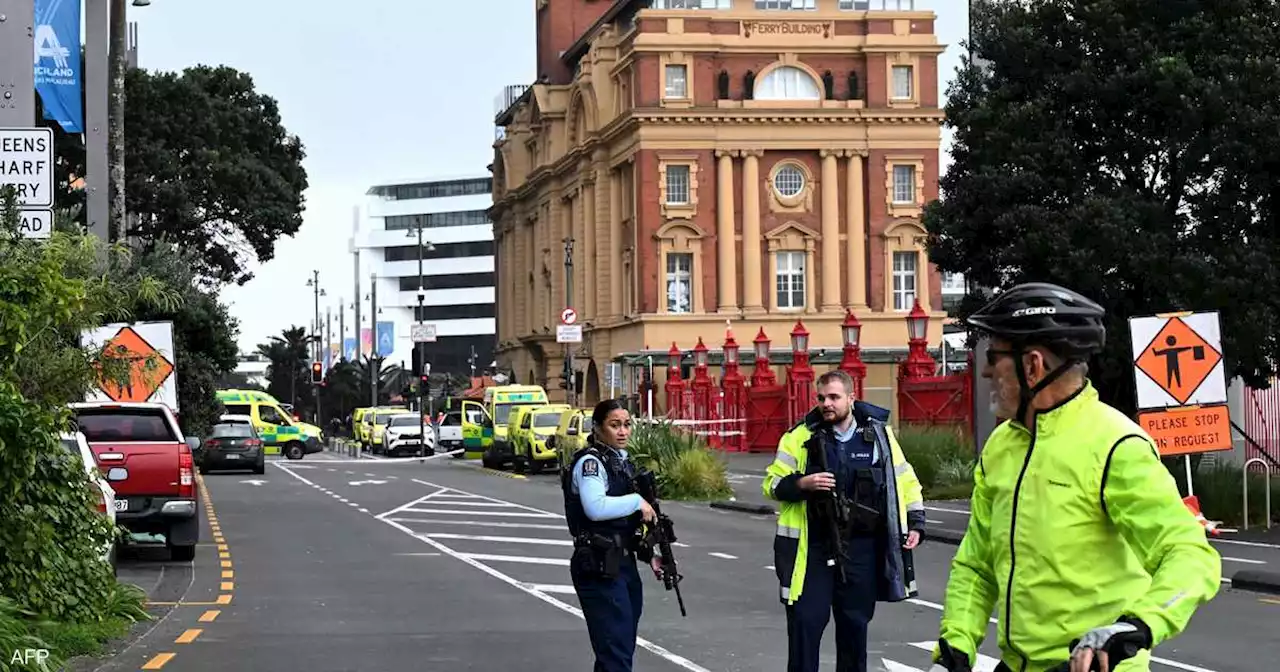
718	161
455	292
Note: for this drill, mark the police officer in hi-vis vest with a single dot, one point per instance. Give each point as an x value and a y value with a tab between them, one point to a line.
845	533
604	513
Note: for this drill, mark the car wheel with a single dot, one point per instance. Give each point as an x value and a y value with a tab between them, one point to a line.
294	451
182	553
535	467
260	467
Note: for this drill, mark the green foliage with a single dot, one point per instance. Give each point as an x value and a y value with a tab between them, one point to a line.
1220	489
289	373
16	634
685	468
942	457
1112	146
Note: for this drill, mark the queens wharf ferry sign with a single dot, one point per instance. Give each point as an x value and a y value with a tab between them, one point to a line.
812	28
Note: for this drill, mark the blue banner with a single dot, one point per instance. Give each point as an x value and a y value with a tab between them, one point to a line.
57	62
349	349
386	338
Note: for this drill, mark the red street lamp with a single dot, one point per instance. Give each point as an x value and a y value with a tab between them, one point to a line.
675	387
703	390
733	387
851	363
919	364
799	374
763	374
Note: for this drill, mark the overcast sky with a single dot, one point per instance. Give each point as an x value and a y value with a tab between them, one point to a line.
377	91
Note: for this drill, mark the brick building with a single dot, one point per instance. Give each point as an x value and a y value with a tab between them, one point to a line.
755	161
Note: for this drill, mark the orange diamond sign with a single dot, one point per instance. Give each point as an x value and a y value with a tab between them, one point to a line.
148	369
1178	359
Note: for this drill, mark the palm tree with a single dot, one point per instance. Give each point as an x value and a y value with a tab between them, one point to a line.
288	353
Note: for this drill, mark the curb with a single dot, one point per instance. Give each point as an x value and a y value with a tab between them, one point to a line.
740	507
1256	581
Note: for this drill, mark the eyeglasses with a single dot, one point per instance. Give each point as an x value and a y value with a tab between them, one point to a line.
993	355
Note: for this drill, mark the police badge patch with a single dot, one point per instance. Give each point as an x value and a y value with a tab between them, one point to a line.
591	468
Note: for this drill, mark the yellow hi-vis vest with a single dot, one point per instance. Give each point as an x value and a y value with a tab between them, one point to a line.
902	490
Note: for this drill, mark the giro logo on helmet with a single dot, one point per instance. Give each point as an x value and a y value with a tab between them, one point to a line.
1043	310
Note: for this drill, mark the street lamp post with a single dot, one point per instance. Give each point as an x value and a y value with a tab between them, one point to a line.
424	381
571	391
375	367
317	332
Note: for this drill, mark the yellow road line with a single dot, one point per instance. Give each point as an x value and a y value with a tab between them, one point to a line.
226	563
228	585
222	546
188	636
224	554
223	599
228	574
159	661
209	616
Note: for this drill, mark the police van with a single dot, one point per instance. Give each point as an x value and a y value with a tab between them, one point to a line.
279	431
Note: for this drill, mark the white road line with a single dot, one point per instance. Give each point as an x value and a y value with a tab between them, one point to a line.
353	505
1254	544
500	539
1246	561
726	556
770	567
552	588
947	509
511	514
364	510
562	562
420	555
491	499
446	502
482	523
679	544
419	500
1155	659
985	663
344	500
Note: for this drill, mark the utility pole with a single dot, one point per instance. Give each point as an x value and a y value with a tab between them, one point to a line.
97	104
375	367
571	391
317	333
17	76
342	330
118	55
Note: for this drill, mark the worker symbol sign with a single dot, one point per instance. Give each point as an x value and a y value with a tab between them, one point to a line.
1178	360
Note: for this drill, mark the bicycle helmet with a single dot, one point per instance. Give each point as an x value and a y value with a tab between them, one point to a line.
1046	315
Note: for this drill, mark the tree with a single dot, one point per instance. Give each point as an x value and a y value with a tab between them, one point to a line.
289	372
1127	149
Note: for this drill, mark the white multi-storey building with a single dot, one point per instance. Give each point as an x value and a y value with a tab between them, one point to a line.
457	281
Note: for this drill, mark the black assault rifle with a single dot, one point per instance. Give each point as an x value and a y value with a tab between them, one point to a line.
832	508
661	536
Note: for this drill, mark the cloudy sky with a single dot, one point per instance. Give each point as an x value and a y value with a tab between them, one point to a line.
378	91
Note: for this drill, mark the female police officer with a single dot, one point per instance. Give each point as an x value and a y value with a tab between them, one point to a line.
604	512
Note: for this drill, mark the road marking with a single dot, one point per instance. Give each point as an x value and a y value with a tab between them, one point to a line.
563	606
770	568
895	666
1155	659
364	510
226	563
1254	544
985	663
454	512
453	503
188	636
483	523
946	509
552	588
679	544
726	556
158	661
1246	561
223	599
228	585
1268	600
209	616
222	547
424	555
344	500
510	540
228	574
560	562
353	505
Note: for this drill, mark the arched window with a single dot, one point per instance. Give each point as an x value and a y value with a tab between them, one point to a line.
787	83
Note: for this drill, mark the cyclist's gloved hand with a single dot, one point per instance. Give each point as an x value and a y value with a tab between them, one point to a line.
950	660
1105	647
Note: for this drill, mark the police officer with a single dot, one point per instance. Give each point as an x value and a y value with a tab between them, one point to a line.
883	518
604	514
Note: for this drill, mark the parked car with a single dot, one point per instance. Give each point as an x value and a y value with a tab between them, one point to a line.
155	484
449	432
78	449
403	434
232	445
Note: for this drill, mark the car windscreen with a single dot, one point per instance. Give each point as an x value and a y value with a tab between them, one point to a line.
232	431
124	424
405	421
451	419
546	420
382	418
586	424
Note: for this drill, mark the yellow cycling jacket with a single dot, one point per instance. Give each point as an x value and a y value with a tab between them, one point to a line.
1073	526
902	492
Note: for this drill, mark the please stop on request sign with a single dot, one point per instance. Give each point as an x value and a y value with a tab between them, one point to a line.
1187	430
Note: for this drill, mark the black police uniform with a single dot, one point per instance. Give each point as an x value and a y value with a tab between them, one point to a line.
603	567
853	603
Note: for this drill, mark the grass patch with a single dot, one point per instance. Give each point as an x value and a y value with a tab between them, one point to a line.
943	459
21	630
684	466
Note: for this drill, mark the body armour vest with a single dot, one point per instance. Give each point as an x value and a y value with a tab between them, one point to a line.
619	473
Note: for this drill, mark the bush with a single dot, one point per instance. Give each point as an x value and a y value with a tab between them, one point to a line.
1220	489
684	467
943	459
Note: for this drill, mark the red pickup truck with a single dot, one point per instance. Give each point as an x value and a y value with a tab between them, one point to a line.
156	493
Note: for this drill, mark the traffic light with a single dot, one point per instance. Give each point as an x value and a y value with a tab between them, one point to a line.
317	373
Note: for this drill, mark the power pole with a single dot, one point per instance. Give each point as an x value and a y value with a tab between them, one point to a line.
17	76
342	330
97	103
118	54
571	391
374	365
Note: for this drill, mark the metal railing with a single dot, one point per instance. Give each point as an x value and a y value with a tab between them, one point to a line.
1267	481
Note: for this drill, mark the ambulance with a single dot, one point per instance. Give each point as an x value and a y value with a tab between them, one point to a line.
484	423
279	431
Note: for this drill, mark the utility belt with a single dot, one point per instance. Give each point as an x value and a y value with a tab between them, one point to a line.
600	555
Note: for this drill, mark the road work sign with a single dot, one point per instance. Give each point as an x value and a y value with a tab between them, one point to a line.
1181	382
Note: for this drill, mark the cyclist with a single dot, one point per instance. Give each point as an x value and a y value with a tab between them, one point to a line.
1077	537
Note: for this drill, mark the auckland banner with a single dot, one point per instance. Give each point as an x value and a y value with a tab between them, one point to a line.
57	62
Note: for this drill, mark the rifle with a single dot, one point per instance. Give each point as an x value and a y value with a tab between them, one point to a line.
661	535
832	508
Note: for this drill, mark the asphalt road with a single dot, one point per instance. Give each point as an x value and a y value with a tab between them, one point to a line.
377	565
